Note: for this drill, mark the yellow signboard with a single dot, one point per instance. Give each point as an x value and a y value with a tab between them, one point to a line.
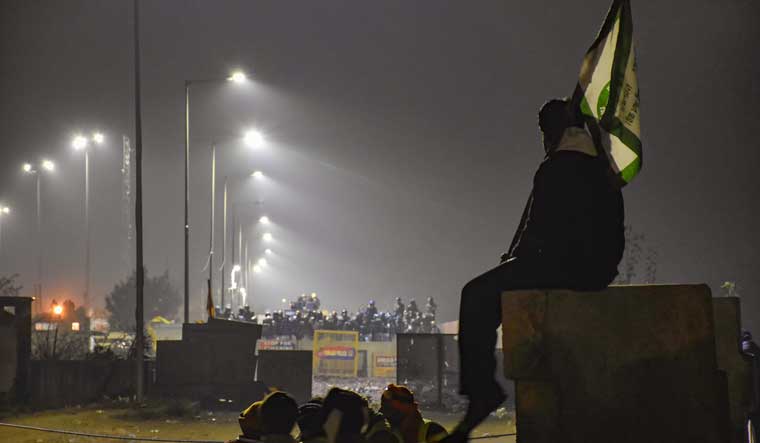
384	366
335	353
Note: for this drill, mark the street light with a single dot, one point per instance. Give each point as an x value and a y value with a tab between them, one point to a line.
264	220
254	138
257	269
235	77
268	251
262	262
258	175
48	165
267	236
212	222
29	168
82	143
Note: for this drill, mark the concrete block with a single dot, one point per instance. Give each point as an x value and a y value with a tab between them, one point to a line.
634	363
727	315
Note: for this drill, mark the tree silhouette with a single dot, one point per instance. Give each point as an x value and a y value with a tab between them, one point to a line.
161	298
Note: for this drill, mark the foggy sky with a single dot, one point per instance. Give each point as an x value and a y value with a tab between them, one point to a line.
402	137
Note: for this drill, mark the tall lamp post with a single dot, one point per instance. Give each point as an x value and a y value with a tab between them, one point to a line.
81	143
36	170
236	77
4	211
253	139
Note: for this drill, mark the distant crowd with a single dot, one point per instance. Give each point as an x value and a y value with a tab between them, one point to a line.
305	315
342	416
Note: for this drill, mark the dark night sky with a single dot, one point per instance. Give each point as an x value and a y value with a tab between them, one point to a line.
402	136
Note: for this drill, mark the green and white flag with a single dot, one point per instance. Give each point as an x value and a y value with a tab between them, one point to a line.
608	91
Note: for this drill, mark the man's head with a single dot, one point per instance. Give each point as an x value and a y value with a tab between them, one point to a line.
310	419
278	413
553	118
250	421
345	415
396	403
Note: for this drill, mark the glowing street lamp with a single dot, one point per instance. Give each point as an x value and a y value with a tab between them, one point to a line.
262	262
36	170
268	251
264	220
257	269
267	236
257	175
81	143
235	77
58	310
253	138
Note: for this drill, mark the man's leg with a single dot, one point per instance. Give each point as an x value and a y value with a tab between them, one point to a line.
479	317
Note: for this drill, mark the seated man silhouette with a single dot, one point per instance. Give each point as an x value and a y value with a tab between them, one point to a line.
571	237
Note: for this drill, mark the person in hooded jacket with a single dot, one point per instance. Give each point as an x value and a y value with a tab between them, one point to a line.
397	404
250	425
571	237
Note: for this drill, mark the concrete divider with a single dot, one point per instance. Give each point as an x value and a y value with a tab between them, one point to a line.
628	364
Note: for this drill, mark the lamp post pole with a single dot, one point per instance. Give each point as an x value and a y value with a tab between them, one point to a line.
39	240
211	234
224	245
187	203
87	228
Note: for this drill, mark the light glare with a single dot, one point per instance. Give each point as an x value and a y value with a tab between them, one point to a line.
257	175
237	77
27	167
6	210
48	165
264	220
253	138
57	309
256	269
262	262
98	137
267	236
267	251
79	142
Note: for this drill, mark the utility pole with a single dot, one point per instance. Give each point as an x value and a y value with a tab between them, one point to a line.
211	236
224	244
187	202
139	347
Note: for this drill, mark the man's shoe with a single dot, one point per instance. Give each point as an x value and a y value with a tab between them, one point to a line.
480	407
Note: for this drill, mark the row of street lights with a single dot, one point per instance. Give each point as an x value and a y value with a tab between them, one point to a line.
46	166
251	138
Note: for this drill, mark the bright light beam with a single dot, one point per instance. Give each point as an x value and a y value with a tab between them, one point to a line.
48	165
253	138
79	142
238	77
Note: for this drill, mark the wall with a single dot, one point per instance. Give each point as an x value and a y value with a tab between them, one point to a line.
58	383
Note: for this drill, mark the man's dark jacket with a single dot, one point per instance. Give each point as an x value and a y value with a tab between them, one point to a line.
574	233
